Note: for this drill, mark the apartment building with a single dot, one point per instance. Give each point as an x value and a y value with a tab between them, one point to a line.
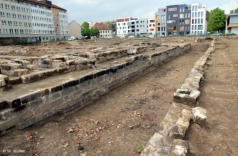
104	31
160	22
232	24
132	27
198	19
32	20
151	27
141	27
178	20
125	27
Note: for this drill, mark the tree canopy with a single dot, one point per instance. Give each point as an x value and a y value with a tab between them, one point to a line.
234	11
89	32
217	20
111	25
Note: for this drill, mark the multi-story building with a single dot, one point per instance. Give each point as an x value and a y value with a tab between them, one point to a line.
160	22
198	19
178	20
141	27
232	24
132	27
32	20
151	27
75	29
104	31
126	27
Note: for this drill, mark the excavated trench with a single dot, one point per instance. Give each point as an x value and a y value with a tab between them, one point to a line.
118	123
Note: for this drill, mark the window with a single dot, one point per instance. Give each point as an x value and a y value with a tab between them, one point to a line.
4	22
1	6
201	14
13	7
2	14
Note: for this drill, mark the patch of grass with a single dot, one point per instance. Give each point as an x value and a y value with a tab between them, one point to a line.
140	148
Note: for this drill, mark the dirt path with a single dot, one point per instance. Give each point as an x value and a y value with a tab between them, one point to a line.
219	97
117	124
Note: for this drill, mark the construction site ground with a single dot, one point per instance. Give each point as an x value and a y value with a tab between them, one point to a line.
119	123
219	97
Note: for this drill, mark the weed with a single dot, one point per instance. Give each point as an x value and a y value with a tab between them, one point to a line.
140	148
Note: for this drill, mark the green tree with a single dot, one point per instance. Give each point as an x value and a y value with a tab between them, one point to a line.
85	25
234	11
94	32
111	25
85	29
217	20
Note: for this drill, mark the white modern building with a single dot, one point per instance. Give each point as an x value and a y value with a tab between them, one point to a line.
141	27
125	27
132	27
198	19
160	22
151	27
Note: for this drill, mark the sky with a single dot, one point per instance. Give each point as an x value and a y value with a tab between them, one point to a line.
104	10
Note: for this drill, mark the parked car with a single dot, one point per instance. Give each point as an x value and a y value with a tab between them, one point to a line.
72	38
216	34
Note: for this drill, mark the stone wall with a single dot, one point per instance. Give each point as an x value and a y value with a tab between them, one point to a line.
78	92
169	140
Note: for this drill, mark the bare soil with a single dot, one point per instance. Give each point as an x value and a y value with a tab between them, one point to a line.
219	97
115	125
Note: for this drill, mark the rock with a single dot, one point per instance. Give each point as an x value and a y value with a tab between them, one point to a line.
179	148
200	116
179	130
66	145
71	130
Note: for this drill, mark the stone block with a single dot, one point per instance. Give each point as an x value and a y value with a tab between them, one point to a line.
6	114
199	116
158	145
179	148
31	96
3	80
179	130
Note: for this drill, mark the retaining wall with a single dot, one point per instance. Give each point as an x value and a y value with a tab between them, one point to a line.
36	106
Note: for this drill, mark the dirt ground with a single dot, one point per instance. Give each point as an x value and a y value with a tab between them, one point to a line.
219	97
79	46
118	124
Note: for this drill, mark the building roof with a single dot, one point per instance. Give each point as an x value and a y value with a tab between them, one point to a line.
101	26
44	3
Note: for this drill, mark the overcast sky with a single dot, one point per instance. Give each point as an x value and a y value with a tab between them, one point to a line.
103	10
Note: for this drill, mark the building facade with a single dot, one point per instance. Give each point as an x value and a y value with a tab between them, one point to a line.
133	27
151	27
33	19
141	27
198	19
178	20
232	24
104	31
125	27
75	29
160	22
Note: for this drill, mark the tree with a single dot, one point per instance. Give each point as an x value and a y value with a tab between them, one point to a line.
217	20
94	32
85	25
234	11
111	25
